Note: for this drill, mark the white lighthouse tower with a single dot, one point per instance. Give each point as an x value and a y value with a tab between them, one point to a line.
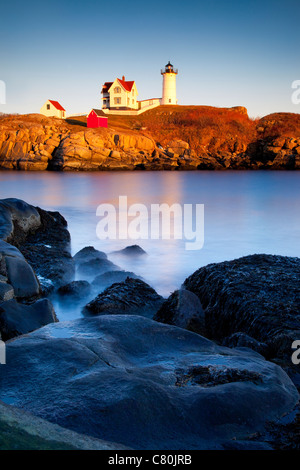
169	84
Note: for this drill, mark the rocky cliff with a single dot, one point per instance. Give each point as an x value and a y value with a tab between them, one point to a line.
181	138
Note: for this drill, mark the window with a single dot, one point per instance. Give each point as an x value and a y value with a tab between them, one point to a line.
132	101
117	89
170	101
48	106
117	100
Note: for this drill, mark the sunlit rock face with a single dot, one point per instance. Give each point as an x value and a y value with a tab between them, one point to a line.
186	138
143	384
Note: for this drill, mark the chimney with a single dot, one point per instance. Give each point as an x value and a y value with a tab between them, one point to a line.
123	78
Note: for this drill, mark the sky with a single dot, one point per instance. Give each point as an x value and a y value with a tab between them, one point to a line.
234	53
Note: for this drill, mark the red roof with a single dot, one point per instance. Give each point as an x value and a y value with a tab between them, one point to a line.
57	105
127	85
98	112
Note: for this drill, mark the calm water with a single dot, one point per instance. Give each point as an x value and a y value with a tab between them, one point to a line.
245	212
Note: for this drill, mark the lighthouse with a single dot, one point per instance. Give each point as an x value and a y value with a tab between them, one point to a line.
169	84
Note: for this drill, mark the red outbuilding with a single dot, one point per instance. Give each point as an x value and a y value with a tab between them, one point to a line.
96	119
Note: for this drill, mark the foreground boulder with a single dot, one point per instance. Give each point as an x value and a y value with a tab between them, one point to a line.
175	389
130	296
258	295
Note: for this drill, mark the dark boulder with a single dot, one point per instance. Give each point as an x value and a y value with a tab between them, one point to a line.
18	319
88	253
144	384
75	289
133	250
258	295
183	309
130	296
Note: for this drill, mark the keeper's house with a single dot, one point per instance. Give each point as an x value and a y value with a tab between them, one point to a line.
119	95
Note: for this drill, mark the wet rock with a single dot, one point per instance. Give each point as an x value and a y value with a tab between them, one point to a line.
75	289
87	254
133	250
183	309
258	295
130	296
110	277
175	389
18	319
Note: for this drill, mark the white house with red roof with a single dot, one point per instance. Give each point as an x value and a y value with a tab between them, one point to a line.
53	109
119	95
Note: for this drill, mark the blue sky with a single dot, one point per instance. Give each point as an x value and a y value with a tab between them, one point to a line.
228	53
